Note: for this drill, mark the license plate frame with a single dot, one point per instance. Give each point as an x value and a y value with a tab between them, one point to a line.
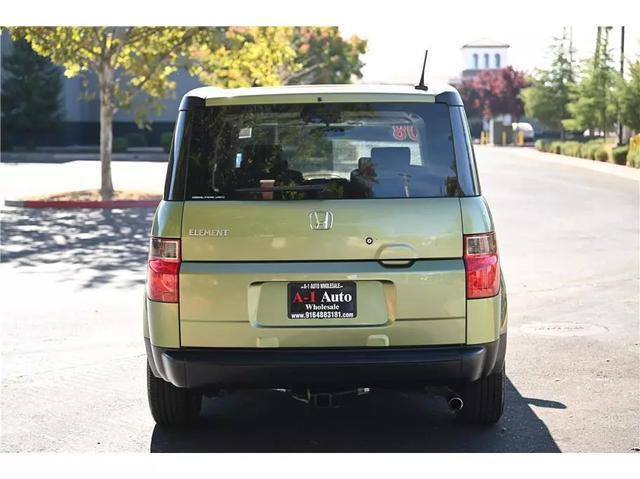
317	300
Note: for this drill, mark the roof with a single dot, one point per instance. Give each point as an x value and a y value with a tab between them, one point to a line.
207	96
486	43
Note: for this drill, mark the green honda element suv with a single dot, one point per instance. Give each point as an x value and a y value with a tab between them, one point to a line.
324	240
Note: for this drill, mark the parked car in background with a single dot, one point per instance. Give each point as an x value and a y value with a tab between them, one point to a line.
526	129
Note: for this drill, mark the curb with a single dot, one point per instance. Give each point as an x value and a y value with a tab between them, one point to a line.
112	204
68	157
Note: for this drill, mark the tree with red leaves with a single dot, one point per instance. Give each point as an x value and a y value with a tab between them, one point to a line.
494	92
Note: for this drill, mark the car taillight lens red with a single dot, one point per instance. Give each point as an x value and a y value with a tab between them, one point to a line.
482	265
163	269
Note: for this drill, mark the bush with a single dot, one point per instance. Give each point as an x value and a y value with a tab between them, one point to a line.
633	158
588	150
601	154
136	140
165	140
596	149
120	145
583	150
556	147
542	145
620	155
570	148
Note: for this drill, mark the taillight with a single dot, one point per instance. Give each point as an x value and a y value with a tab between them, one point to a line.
481	265
163	269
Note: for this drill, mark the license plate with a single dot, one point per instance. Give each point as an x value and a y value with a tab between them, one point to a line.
322	300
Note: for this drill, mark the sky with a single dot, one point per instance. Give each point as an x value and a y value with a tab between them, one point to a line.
398	31
395	52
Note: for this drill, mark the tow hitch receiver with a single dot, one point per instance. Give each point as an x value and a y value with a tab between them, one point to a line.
326	399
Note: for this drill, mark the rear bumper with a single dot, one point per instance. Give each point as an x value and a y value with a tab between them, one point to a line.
230	368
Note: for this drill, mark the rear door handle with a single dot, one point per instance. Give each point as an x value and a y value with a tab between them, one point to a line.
396	255
397	263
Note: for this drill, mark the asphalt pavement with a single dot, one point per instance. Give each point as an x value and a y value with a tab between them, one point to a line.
73	357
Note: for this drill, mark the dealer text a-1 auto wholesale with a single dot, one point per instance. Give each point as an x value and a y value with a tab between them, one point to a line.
322	300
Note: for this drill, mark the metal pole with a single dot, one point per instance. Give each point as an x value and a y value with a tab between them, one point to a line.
622	77
571	49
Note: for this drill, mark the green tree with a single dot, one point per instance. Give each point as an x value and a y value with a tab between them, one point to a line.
548	97
125	60
324	57
131	60
630	98
244	57
128	61
30	94
265	56
594	99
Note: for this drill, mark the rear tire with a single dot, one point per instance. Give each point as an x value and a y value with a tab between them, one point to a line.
170	405
483	400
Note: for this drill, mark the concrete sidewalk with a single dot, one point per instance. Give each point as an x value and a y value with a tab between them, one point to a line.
602	167
22	180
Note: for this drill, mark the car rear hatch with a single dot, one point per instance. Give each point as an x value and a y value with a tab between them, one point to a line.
332	226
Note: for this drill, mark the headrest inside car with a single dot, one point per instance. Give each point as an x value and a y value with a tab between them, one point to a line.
391	158
364	162
261	152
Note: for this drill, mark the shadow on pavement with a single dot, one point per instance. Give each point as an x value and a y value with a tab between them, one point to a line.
383	421
100	243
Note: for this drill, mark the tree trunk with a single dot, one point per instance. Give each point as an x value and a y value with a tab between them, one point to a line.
105	78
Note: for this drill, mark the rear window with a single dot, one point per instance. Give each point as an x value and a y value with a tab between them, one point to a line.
320	151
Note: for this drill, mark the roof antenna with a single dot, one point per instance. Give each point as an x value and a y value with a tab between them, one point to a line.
421	85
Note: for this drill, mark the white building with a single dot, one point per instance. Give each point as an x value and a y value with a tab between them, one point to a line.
483	54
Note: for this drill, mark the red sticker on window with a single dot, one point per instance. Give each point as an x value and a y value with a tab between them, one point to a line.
401	132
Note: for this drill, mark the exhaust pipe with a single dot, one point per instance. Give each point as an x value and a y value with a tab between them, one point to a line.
455	403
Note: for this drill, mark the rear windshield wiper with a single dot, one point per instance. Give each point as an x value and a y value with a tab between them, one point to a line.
282	188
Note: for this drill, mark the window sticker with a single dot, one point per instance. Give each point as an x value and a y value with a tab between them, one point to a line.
402	132
245	133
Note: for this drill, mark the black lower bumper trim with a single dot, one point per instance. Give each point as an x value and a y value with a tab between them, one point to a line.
227	368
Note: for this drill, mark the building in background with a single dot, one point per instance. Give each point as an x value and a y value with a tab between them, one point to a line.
81	118
478	57
483	54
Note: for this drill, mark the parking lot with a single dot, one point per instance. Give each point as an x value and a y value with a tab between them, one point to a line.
73	376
